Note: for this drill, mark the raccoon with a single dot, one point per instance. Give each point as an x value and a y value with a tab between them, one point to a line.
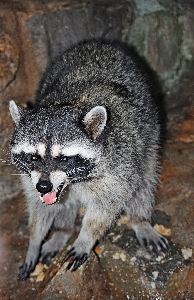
92	141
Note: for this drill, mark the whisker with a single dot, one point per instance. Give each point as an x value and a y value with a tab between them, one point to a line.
18	174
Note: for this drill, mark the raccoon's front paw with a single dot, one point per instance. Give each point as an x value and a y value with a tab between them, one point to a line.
150	239
78	258
25	271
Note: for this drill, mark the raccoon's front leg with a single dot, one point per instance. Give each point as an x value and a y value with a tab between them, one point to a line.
39	226
64	225
95	224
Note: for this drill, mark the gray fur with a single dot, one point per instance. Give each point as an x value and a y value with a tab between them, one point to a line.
94	133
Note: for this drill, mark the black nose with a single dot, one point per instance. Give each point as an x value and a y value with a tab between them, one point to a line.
44	186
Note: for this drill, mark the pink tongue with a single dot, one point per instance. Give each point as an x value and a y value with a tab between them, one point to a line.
50	198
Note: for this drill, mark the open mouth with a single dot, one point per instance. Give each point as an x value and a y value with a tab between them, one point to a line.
53	196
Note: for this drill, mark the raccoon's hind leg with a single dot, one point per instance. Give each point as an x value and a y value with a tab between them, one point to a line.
139	213
64	225
148	237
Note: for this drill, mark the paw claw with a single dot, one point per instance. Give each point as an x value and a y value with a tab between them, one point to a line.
76	261
164	242
80	261
69	253
145	243
158	246
150	239
25	270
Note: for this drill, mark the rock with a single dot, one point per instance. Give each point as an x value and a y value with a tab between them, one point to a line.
161	33
177	184
56	31
9	60
122	269
158	37
89	281
181	284
9	183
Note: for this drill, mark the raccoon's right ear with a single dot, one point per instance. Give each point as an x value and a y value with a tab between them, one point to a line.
15	111
95	121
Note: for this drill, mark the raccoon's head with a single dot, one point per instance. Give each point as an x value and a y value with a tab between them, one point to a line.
56	146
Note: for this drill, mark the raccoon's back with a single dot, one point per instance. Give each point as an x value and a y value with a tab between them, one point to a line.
81	70
93	73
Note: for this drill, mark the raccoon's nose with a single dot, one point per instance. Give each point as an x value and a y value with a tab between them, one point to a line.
44	186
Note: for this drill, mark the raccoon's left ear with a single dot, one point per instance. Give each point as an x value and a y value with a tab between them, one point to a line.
95	121
15	111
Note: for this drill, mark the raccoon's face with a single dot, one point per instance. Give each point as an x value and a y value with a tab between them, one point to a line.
56	147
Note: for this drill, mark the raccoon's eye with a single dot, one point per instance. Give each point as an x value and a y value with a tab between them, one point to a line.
63	158
35	157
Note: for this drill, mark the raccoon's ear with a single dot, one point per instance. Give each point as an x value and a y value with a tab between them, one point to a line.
95	121
15	111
